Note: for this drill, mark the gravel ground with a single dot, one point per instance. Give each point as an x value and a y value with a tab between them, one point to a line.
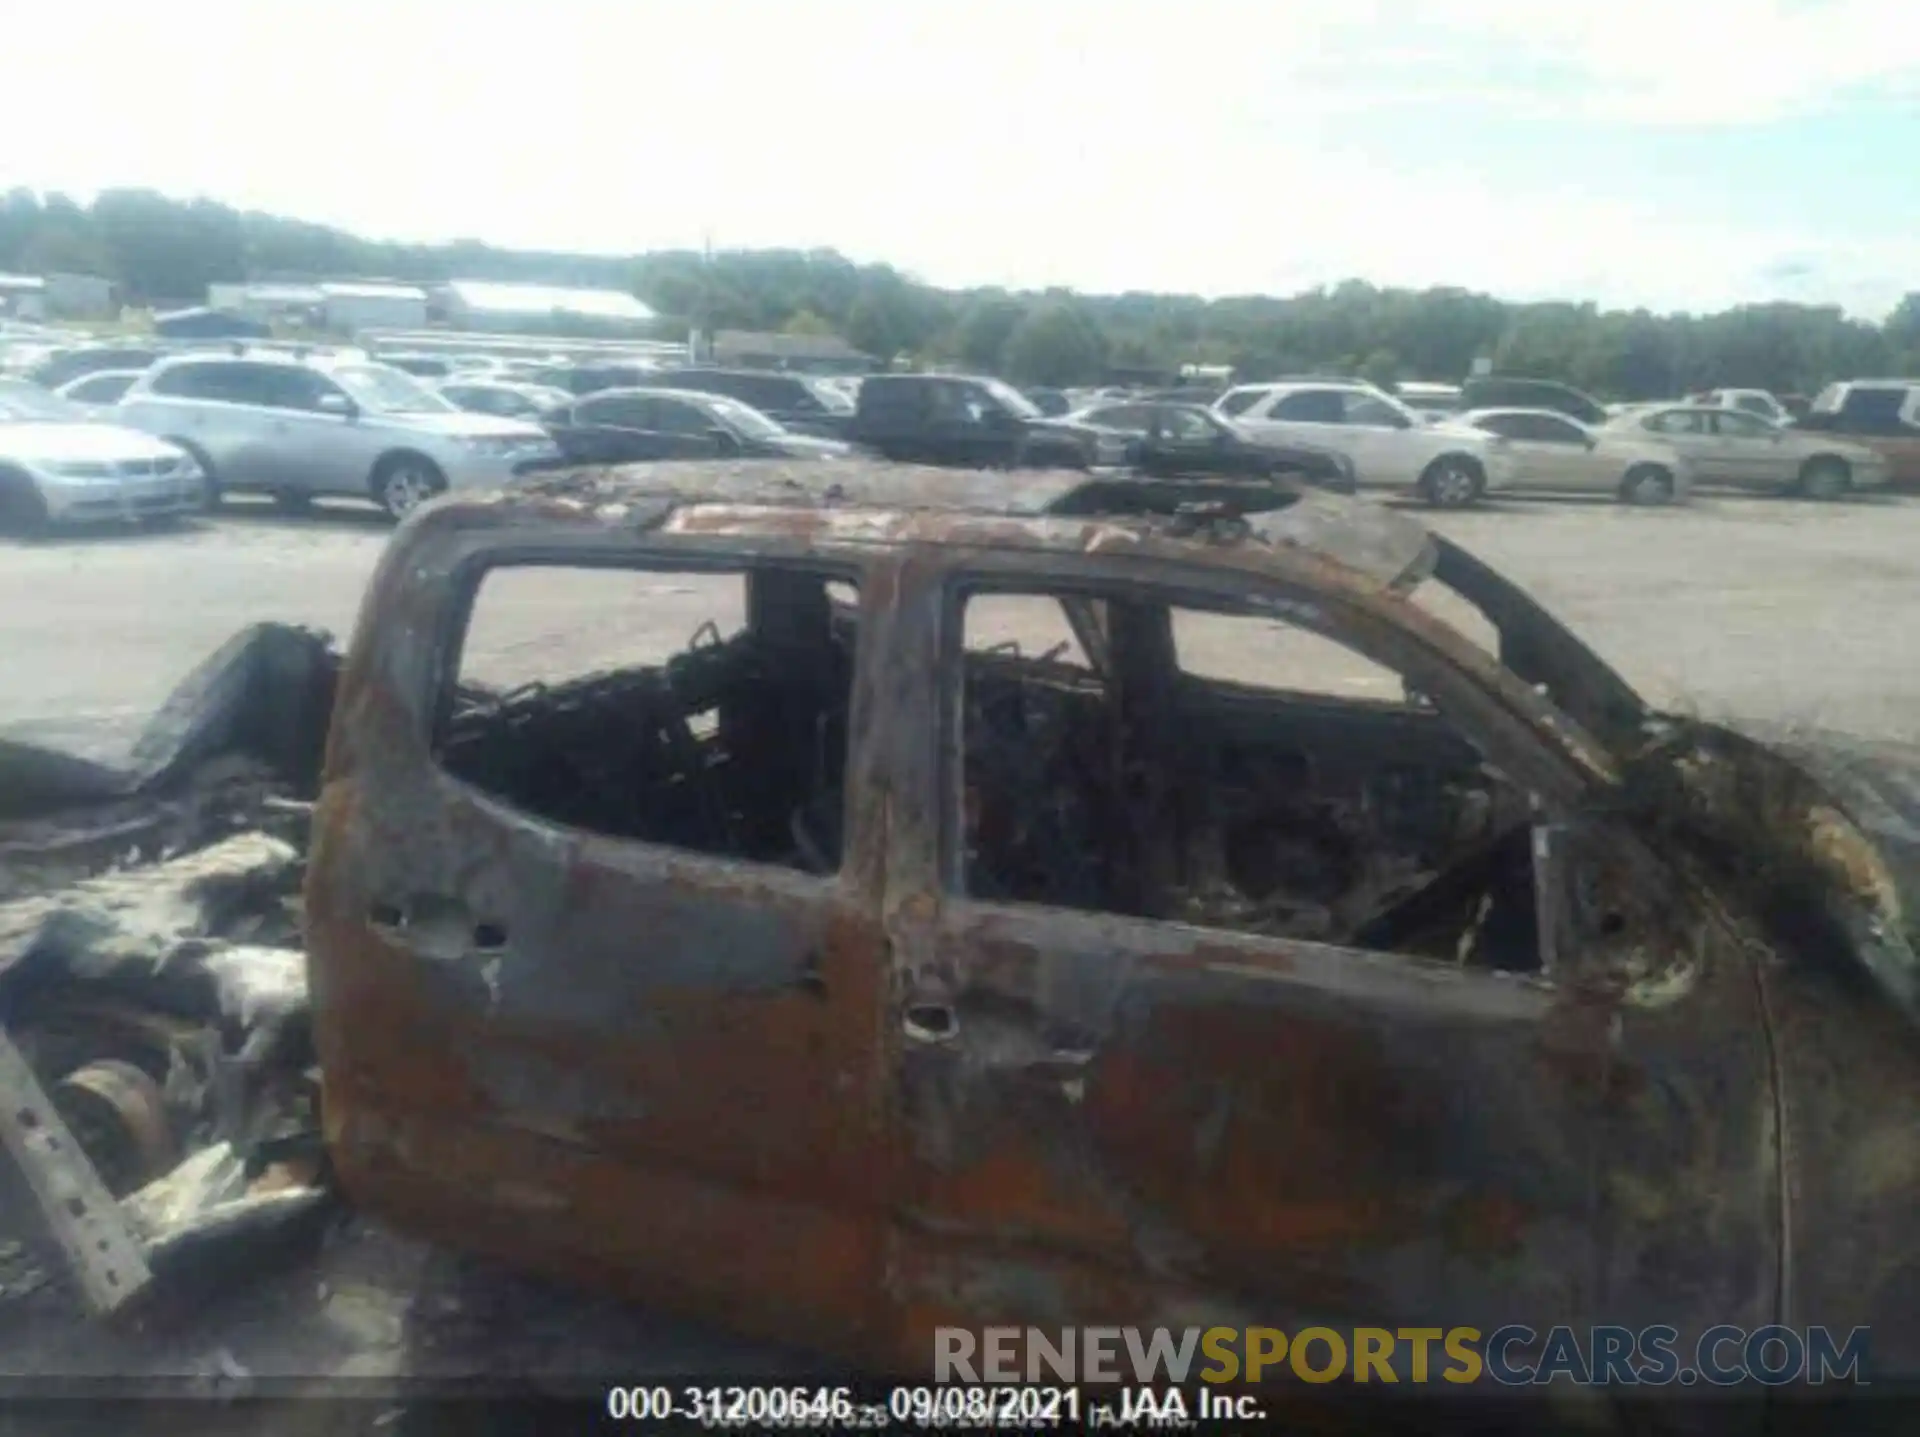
1752	608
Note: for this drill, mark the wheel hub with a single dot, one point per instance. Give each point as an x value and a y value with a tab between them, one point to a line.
118	1115
406	489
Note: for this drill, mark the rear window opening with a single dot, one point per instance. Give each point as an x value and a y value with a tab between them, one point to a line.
703	711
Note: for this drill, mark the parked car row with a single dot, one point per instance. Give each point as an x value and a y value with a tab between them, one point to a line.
1643	453
298	425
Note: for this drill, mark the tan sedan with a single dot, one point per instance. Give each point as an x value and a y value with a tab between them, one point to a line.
1553	453
1744	451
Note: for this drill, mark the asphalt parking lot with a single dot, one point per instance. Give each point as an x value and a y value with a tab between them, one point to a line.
1762	609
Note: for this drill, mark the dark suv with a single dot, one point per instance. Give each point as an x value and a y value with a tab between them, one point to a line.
794	400
961	419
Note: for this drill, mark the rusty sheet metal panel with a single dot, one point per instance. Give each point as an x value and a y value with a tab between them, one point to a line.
1244	1126
854	480
1136	1126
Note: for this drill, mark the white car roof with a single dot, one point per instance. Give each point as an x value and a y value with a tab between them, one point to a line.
100	374
1502	410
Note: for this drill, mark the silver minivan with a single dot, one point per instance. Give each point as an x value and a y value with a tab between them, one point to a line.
300	427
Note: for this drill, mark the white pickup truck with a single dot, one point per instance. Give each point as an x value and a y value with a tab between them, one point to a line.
1755	401
1449	465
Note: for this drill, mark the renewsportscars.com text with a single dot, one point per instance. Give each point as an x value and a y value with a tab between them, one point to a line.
1513	1355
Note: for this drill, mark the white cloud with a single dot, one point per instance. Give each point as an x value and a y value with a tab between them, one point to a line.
1205	147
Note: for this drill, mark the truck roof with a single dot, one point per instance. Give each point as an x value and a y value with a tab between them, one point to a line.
1264	526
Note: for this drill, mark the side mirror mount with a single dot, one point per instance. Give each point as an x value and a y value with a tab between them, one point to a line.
723	440
339	405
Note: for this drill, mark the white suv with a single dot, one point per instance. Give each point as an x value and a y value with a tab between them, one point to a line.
296	428
1447	464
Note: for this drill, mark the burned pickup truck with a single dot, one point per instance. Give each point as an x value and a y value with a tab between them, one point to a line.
1005	909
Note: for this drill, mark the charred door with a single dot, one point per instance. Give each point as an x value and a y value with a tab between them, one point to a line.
598	962
1131	1093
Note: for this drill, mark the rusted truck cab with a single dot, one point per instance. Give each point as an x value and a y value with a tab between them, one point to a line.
841	910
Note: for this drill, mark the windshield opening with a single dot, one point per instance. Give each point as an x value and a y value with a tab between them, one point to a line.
387	390
1391	404
1012	399
745	419
1538	649
830	396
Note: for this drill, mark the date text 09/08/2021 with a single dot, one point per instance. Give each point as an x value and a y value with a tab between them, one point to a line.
846	1408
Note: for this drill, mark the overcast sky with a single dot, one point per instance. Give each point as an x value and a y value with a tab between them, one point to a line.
1683	155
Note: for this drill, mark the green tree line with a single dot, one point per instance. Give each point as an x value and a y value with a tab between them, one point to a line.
164	251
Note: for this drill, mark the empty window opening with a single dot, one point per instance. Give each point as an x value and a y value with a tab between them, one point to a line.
706	711
1233	771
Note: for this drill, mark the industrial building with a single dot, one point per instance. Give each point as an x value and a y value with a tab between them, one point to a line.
81	296
349	306
343	306
495	307
269	301
57	296
23	296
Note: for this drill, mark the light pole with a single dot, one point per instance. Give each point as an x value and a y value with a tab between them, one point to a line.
700	342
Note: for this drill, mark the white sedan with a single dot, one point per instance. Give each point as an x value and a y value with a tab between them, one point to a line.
1741	450
1448	464
57	466
1555	454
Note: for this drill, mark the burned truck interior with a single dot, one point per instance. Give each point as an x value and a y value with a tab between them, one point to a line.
1120	754
1317	801
735	745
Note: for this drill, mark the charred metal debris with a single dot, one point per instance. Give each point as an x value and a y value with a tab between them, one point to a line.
156	1065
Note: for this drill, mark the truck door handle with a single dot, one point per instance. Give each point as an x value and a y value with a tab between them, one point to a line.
930	1022
437	921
